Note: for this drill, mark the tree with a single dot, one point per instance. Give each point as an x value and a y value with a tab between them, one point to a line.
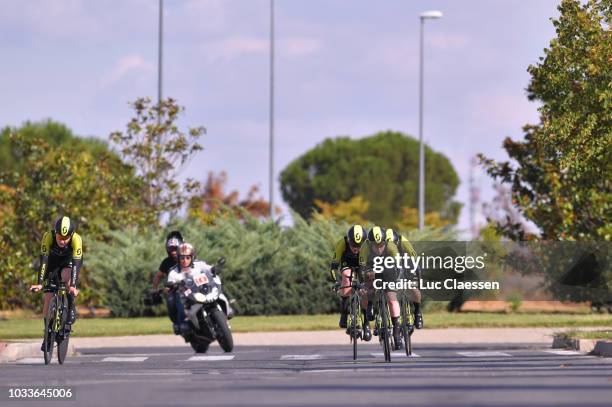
561	180
154	145
383	169
351	211
51	132
502	215
410	219
99	191
211	200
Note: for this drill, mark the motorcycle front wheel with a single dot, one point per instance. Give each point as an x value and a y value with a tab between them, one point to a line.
224	335
200	347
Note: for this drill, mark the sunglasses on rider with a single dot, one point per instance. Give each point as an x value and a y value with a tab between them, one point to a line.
62	238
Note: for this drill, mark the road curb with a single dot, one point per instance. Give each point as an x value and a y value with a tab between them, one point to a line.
13	351
592	346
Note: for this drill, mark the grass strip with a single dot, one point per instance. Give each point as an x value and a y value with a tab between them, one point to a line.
575	334
31	328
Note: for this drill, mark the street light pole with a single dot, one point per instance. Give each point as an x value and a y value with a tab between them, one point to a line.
159	52
271	174
423	17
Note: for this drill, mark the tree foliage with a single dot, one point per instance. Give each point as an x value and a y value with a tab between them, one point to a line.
410	219
155	146
211	201
98	190
51	132
561	180
383	169
351	211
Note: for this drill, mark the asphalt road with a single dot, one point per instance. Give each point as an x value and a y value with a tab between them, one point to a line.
441	375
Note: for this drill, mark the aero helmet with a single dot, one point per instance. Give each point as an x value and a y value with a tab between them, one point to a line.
64	227
376	235
356	235
392	236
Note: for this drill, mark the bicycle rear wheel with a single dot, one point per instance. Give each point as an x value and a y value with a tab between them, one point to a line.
384	315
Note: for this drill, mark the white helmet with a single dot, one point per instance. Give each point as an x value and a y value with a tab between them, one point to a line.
186	249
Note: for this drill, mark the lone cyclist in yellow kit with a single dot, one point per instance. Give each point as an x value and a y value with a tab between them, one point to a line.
61	257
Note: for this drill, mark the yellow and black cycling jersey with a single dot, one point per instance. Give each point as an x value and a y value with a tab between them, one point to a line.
367	255
343	257
404	246
52	256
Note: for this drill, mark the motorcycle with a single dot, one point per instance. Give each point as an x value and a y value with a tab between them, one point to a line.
206	310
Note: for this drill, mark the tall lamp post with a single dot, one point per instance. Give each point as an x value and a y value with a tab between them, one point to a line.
159	52
271	174
424	16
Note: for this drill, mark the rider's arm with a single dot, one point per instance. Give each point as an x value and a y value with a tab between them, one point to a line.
164	269
364	253
158	276
337	258
407	248
45	248
77	259
392	250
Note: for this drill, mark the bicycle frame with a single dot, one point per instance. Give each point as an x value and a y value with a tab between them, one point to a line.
383	323
407	318
54	326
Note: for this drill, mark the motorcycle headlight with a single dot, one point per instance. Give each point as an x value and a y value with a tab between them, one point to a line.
199	297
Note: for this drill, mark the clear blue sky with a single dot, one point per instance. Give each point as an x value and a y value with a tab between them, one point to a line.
344	67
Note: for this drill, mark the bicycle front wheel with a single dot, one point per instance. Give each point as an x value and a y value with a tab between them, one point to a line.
354	325
384	316
406	322
49	338
63	336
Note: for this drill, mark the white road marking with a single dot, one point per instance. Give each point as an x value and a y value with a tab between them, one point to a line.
301	357
211	358
322	371
32	361
395	355
563	352
96	355
125	359
483	354
147	374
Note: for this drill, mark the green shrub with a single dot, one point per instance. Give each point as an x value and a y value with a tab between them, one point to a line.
121	271
270	269
516	300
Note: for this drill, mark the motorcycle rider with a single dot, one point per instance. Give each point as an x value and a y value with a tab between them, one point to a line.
189	265
404	246
377	246
346	258
173	240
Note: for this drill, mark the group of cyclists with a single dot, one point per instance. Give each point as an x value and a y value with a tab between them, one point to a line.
61	258
354	258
